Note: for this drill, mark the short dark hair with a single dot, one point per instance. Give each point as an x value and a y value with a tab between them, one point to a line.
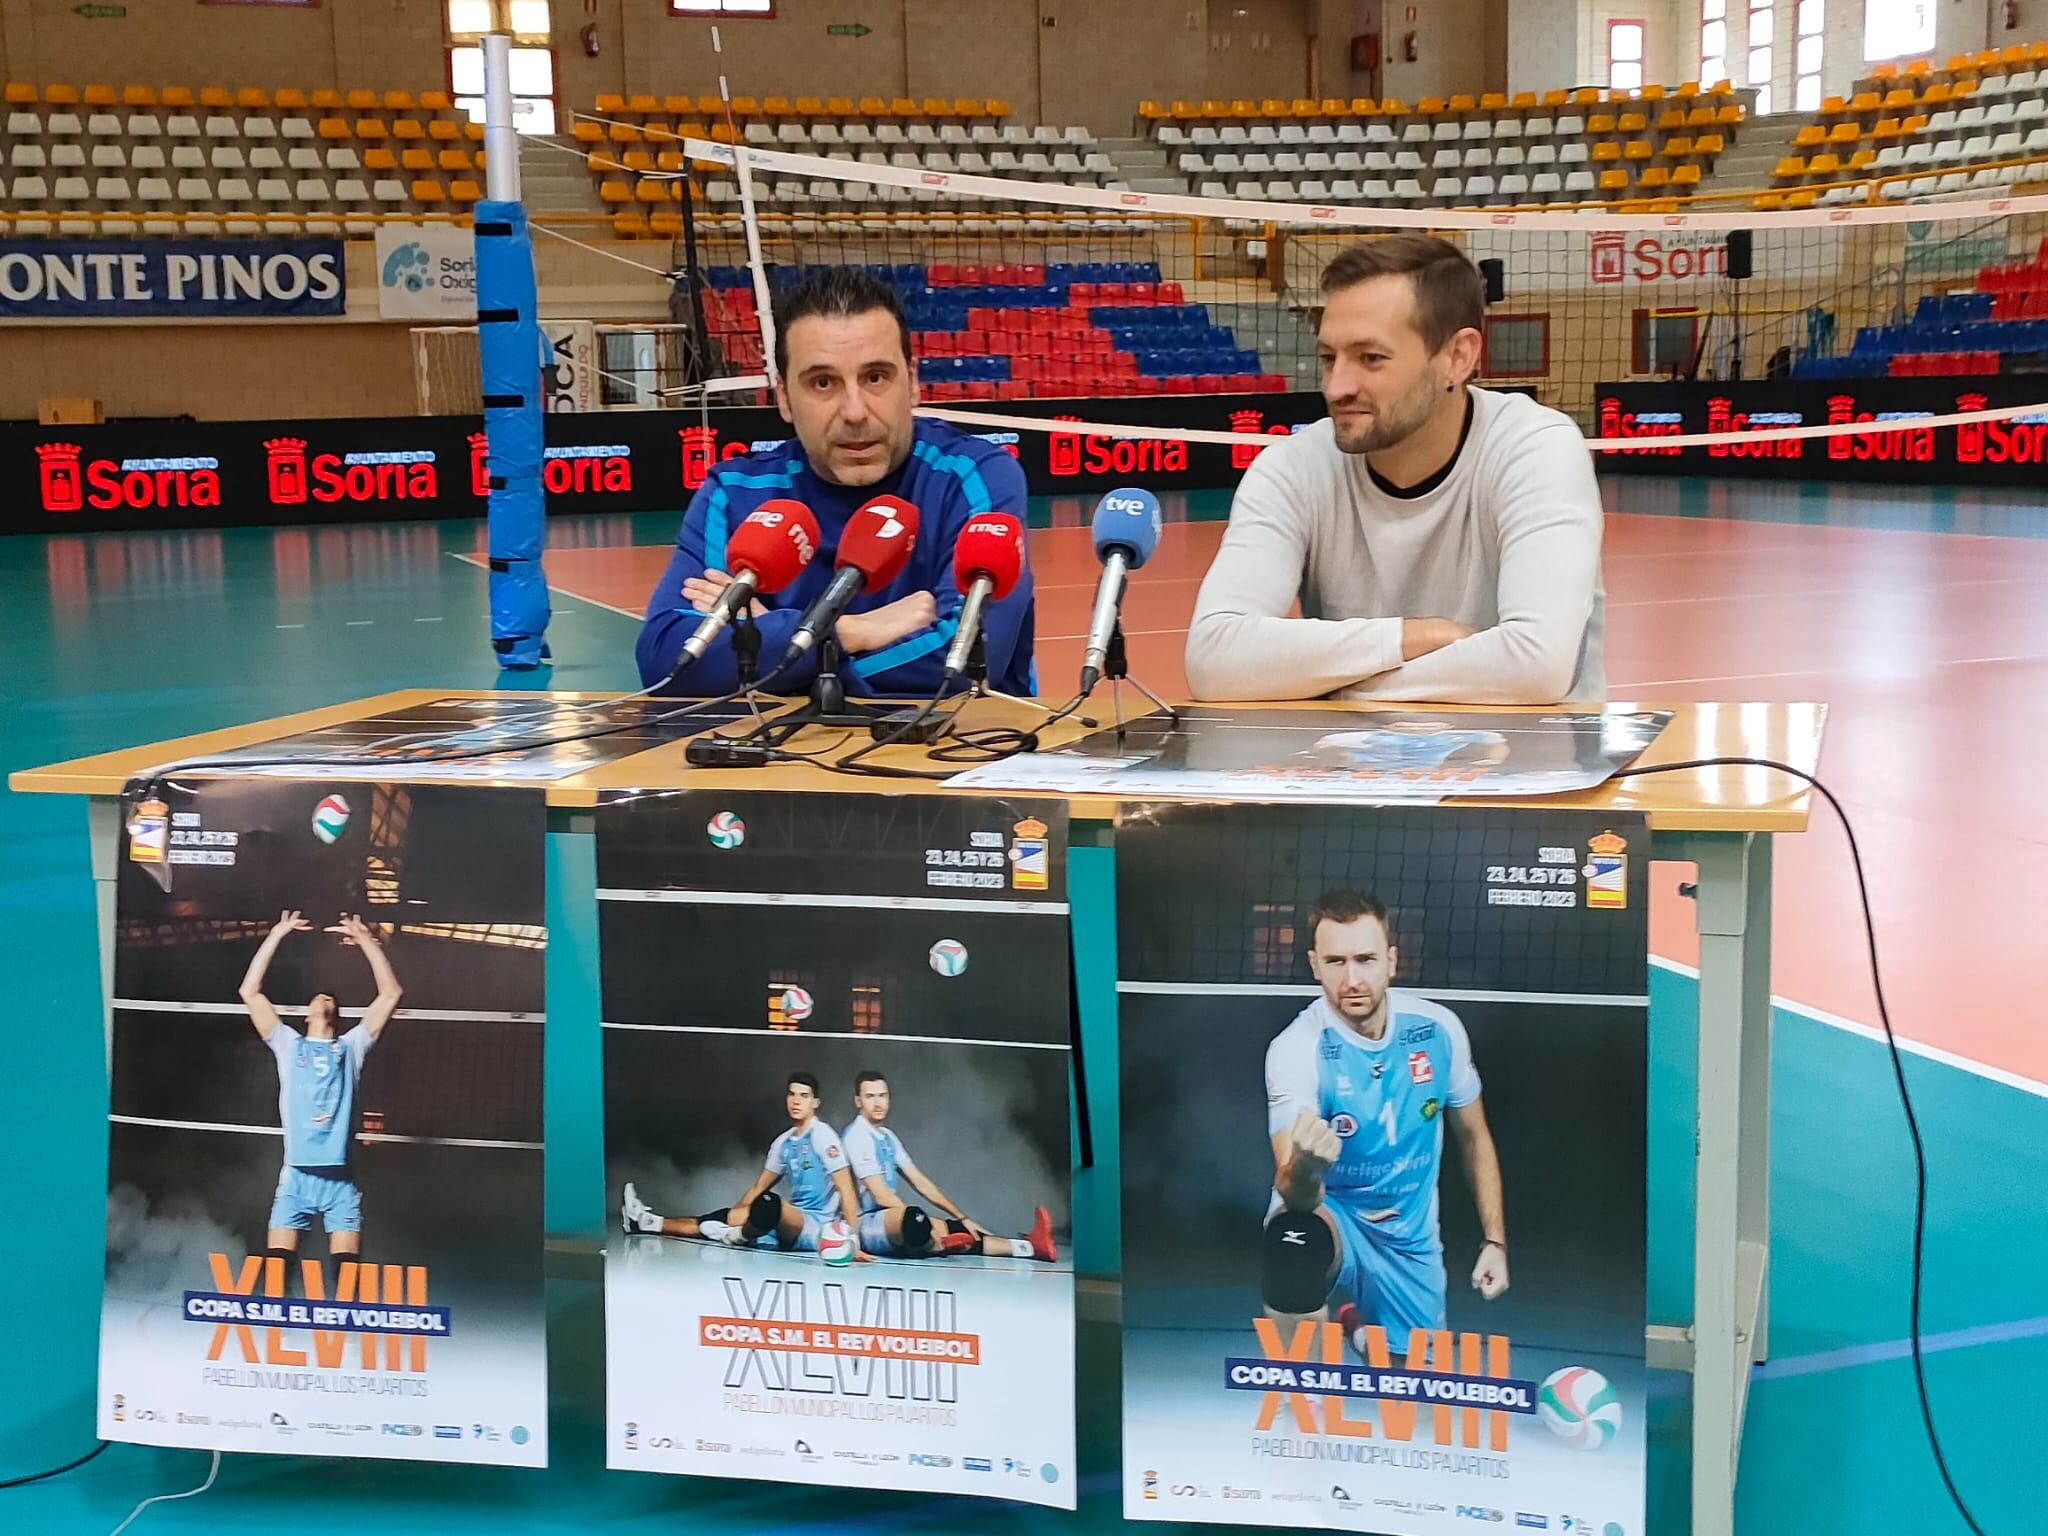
1342	906
861	1080
803	1080
835	292
1450	293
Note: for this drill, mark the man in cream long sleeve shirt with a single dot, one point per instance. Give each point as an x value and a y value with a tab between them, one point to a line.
1443	541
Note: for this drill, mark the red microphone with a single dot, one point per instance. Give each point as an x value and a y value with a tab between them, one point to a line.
988	558
766	553
872	553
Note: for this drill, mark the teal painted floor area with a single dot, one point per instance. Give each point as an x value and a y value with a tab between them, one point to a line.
178	633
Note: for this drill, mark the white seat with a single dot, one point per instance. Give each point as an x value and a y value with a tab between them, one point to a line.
113	190
1578	181
1204	137
1507	128
1478	159
1446	159
1352	160
388	189
297	128
1947	151
227	157
1322	133
858	133
1067	163
1447	187
153	189
1968	118
69	157
1999	112
1572	154
2036	143
1536	127
766	134
112	157
1287	164
1920	186
1409	190
1263	133
1984	181
1942	122
103	125
1408	160
1314	191
1048	135
1251	191
921	133
313	190
146	157
342	158
194	189
1567	127
1993	85
1375	133
29	189
1508	154
1004	161
1891	156
1293	133
72	189
1446	133
826	133
889	133
1227	164
64	125
1479	186
940	160
1317	162
1542	154
302	157
953	133
1977	147
1545	184
2021	82
233	189
24	125
1478	128
1234	136
143	125
1282	191
2032	110
219	127
1099	163
188	157
28	157
1953	181
1515	184
264	157
351	190
259	128
1415	133
1213	189
273	189
904	160
1372	191
1258	164
1170	134
1359	133
2008	175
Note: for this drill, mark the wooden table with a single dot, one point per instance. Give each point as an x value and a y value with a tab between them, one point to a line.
1719	819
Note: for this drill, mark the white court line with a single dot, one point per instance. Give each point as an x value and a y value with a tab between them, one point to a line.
812	1037
1872	1032
274	1130
816	899
634	614
297	1010
1434	994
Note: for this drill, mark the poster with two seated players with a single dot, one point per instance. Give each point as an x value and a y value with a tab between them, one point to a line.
1384	1083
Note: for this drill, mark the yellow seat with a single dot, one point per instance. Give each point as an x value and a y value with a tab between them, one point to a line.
630	226
1637	149
1833	106
1809	136
708	106
20	94
659	133
1430	106
651	190
217	97
1686	177
1844	133
678	106
399	101
996	108
1586	96
902	106
597	162
1556	98
2016	54
436	101
1608	151
474	132
1863	159
1213	108
1364	106
321	101
2037	53
637	160
1900	100
670	160
1243	106
1885	72
665	225
1789	167
1335	106
841	106
416	160
1304	107
1492	101
608	104
724	133
1769	202
1614	181
444	130
1805	197
1886	128
646	106
1633	122
356	101
143	96
409	129
1730	115
465	192
1600	124
1462	104
1824	164
1272	106
937	106
1919	69
1865	102
745	106
1186	111
1654	178
1677	147
1653	93
1700	117
622	133
428	190
781	106
1523	100
614	192
452	160
379	160
331	128
691	131
370	129
1671	119
103	96
1393	106
1708	144
1935	95
61	95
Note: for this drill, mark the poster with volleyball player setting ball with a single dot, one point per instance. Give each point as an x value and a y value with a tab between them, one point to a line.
836	1036
1384	1114
324	1189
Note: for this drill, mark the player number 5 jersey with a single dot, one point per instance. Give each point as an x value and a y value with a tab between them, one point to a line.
1385	1099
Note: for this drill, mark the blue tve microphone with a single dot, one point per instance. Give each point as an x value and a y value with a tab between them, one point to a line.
1126	532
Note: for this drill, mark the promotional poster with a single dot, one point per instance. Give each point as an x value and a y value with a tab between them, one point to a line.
1384	1114
324	1192
836	1140
484	739
1370	758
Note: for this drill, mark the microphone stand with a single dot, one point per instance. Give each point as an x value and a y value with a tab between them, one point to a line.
827	705
1116	667
978	684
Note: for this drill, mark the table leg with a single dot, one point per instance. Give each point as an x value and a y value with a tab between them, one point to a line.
103	824
1731	1159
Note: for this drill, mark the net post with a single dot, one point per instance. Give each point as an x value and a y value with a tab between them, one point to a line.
742	158
501	137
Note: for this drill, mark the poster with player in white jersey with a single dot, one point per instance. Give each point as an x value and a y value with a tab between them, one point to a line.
324	1214
1391	1063
817	1008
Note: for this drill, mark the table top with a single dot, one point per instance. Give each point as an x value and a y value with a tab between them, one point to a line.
1724	799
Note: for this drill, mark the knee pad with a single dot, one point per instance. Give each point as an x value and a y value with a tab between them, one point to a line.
917	1230
764	1215
1295	1254
954	1228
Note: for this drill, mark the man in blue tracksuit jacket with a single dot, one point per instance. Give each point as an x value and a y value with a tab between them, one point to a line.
849	389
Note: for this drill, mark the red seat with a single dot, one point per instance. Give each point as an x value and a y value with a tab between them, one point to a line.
970	275
1013	389
940	275
1144	293
1179	384
1081	293
1170	293
1209	384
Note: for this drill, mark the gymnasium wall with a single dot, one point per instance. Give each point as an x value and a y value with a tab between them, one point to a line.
385	44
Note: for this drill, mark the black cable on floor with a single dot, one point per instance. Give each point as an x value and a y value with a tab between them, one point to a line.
1898	1060
69	1466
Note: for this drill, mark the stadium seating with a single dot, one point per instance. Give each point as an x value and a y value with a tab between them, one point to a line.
2002	324
245	161
1012	332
